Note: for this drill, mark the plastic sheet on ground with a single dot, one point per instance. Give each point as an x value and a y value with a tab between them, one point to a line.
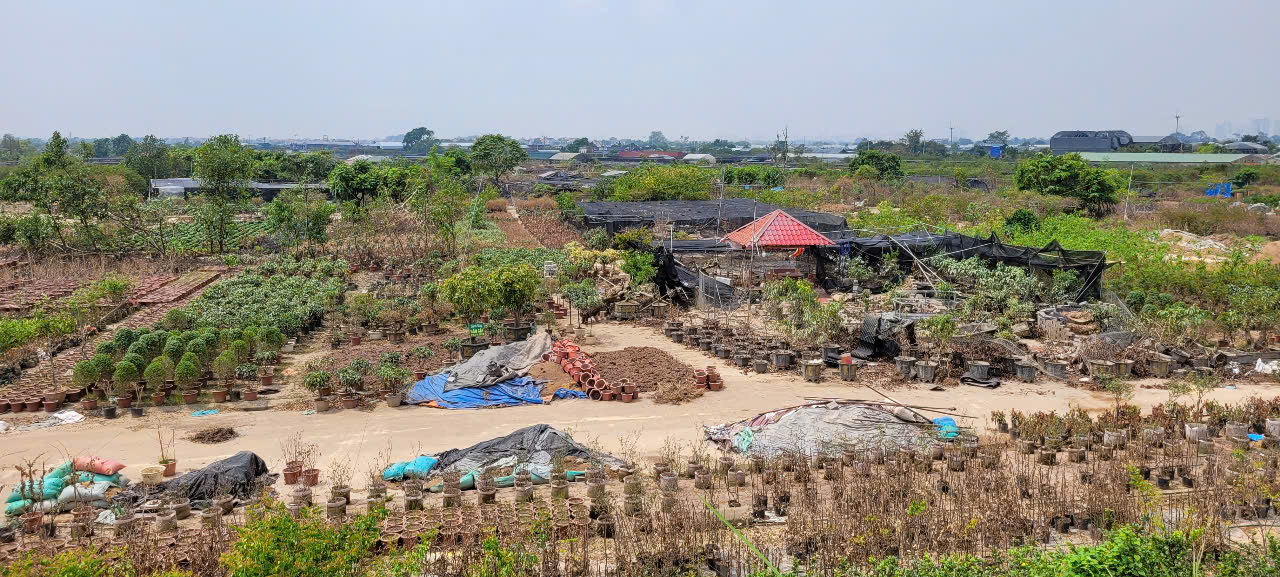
418	468
563	393
235	474
519	391
820	428
531	448
498	364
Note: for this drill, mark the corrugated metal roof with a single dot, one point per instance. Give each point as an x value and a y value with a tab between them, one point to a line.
777	229
1161	157
565	155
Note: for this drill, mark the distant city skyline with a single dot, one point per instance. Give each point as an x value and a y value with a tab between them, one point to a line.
745	69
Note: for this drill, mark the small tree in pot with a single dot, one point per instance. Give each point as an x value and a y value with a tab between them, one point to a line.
224	367
186	374
317	381
515	287
421	355
124	377
430	295
470	292
155	375
394	382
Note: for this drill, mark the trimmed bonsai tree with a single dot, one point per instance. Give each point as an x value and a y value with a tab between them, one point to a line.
270	339
156	373
186	372
393	377
224	366
350	378
316	380
124	376
240	349
85	373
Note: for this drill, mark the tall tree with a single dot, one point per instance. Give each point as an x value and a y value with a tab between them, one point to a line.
121	144
496	155
418	140
55	151
577	145
913	139
149	157
1000	136
225	169
657	140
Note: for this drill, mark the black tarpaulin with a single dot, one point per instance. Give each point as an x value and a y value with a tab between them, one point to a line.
1088	265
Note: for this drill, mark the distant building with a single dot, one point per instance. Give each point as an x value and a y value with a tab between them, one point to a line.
1170	143
570	157
389	145
1069	141
328	144
1247	148
1169	158
699	158
650	155
185	187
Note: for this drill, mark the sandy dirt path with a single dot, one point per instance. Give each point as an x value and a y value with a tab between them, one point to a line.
360	434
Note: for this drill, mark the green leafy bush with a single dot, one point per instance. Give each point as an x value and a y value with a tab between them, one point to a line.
663	182
274	544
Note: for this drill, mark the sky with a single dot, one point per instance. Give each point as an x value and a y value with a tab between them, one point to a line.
702	69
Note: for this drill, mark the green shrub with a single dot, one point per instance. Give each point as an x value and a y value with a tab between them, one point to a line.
274	544
663	182
597	239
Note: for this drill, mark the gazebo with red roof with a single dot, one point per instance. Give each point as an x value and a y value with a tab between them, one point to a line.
776	230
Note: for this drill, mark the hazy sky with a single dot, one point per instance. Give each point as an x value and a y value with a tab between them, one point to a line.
731	69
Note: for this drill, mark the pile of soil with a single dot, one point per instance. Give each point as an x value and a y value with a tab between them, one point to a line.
213	435
647	367
550	371
516	234
675	393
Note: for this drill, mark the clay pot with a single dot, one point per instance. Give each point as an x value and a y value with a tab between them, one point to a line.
628	397
249	394
320	405
310	477
190	397
220	396
225	503
50	406
291	474
170	468
121	402
157	398
715	385
350	401
33	405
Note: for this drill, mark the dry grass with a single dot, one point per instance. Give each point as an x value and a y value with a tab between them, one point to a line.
539	203
496	205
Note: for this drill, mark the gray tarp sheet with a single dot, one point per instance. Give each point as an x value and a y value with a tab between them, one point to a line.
497	364
533	446
820	428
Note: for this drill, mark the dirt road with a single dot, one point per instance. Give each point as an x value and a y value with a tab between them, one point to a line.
361	434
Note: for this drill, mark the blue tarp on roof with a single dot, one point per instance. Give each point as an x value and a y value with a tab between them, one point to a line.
518	391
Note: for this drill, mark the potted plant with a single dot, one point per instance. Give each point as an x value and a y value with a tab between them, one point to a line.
394	383
350	378
430	295
124	377
317	382
85	374
167	457
515	288
470	291
185	374
421	355
224	367
155	375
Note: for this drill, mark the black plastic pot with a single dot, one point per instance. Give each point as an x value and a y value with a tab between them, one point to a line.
136	411
109	411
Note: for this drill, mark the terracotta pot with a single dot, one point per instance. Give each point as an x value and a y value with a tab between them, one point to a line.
266	380
157	399
220	396
124	402
50	406
170	468
190	397
310	477
320	405
291	474
419	375
628	397
354	340
350	401
17	406
4	406
249	394
325	391
33	405
715	386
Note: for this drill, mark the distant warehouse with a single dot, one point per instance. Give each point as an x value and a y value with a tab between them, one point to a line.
185	187
1069	141
1171	158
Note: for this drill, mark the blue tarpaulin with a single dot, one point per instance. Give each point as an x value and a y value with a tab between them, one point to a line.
563	393
519	391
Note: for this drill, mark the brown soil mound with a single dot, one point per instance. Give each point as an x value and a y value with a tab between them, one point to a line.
551	372
214	435
647	367
548	228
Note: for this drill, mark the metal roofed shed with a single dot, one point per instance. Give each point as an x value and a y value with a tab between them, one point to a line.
720	215
1163	157
776	230
699	158
1247	147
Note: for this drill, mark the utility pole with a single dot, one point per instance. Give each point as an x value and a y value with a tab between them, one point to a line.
952	139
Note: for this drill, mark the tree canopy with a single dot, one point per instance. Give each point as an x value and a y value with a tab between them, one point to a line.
1071	176
496	155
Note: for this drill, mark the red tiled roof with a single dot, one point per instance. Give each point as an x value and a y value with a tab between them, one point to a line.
776	229
650	153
